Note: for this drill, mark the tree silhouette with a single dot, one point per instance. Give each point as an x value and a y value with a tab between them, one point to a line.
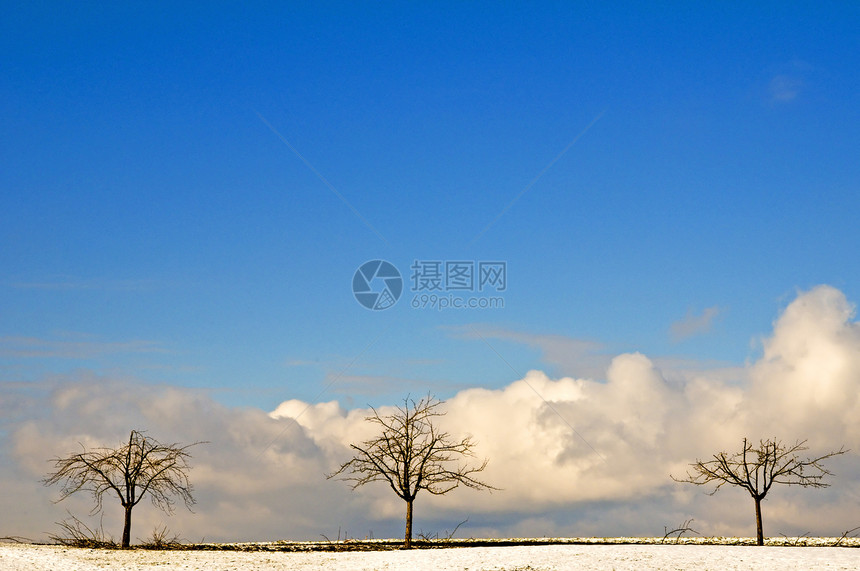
141	467
411	454
757	469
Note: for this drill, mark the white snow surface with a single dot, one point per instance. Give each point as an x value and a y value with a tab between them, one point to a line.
26	557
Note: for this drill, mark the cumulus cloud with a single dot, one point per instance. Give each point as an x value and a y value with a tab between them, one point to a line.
572	456
251	476
809	374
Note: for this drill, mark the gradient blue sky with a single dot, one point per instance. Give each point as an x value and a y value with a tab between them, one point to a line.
187	189
154	226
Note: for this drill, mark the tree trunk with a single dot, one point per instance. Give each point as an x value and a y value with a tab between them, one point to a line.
759	535
408	541
126	528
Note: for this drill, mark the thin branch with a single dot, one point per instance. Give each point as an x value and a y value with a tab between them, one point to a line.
142	467
411	454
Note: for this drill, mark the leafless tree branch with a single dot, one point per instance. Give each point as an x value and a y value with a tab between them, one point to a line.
757	468
680	530
141	467
412	454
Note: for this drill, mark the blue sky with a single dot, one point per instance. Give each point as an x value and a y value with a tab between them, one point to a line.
145	200
155	226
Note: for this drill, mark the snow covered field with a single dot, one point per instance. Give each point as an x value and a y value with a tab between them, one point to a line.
24	557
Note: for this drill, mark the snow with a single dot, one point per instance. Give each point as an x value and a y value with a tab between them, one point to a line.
21	557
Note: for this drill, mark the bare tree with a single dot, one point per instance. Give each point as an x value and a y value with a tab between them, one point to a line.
757	469
411	454
141	467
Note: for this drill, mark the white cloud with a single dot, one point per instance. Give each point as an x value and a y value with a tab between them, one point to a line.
785	88
693	324
71	346
809	375
71	283
573	455
788	81
580	357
